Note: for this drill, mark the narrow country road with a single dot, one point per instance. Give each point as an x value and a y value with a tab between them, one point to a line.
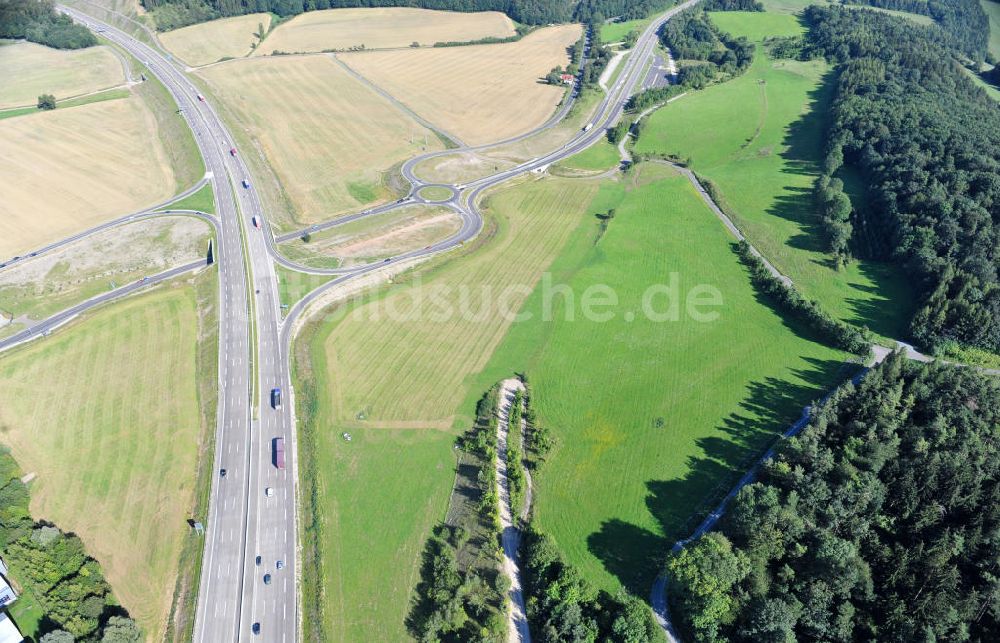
517	619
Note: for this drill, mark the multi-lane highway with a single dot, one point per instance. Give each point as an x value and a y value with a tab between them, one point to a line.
244	522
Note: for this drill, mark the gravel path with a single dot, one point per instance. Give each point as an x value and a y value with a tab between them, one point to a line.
517	619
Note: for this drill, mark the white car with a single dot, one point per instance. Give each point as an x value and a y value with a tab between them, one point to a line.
268	491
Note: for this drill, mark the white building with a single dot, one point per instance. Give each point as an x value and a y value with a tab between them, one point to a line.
7	595
8	631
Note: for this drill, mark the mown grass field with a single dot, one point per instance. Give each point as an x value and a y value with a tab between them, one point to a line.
30	70
481	93
596	158
67	170
375	238
44	285
651	418
759	138
396	385
208	42
616	31
115	463
329	138
383	28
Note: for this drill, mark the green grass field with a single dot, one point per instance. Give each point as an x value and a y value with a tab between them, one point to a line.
596	158
759	138
652	417
110	94
116	463
203	201
435	193
615	31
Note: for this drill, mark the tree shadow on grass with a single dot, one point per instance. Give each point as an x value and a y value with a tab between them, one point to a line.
635	555
803	153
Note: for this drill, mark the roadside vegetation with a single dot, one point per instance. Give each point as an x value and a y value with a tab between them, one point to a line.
117	463
874	522
56	575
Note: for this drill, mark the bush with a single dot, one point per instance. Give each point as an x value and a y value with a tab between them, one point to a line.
46	101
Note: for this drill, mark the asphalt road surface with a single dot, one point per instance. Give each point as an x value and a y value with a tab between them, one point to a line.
243	521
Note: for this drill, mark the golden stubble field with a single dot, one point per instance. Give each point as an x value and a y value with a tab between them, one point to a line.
29	70
208	42
66	170
330	139
480	93
381	28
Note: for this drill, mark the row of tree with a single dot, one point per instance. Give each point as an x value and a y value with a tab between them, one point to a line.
38	21
517	479
791	302
879	521
54	566
925	142
462	592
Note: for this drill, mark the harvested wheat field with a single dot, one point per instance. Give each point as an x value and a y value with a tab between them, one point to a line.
383	28
329	138
480	93
67	170
209	42
30	70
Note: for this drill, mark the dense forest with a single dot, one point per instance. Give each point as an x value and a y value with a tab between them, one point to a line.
925	142
964	20
68	584
171	14
38	21
880	521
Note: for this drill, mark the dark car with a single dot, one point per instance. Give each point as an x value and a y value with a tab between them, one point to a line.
258	560
222	473
267	579
255	628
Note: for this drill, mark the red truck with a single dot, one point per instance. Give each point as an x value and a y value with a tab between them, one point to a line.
279	453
